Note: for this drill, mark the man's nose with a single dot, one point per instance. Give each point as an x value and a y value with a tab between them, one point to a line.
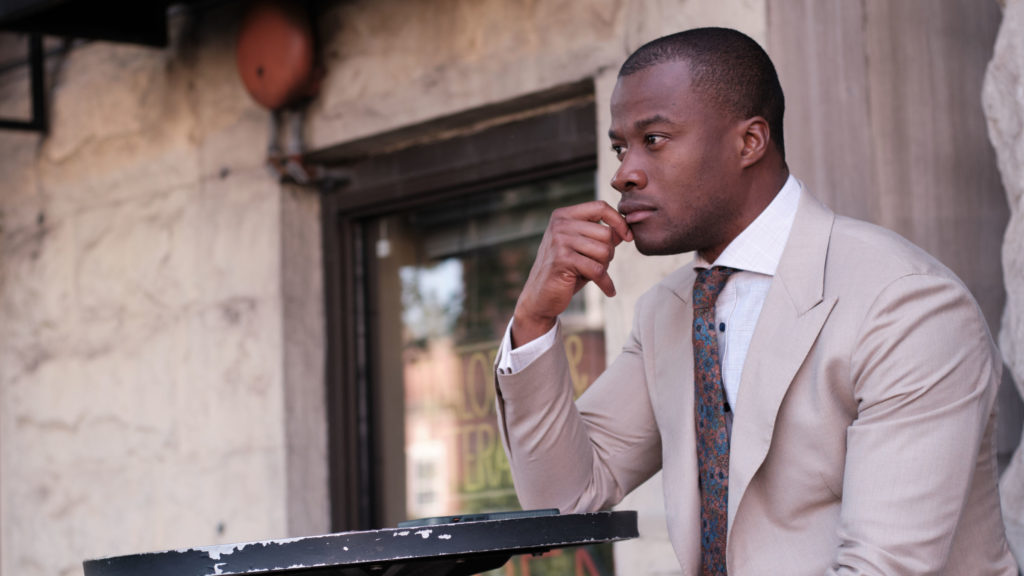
629	176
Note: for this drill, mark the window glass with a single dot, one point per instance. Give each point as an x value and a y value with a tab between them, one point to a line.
447	278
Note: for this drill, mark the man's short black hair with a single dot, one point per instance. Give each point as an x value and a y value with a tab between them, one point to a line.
728	67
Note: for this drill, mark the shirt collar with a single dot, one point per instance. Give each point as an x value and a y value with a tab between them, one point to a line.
759	247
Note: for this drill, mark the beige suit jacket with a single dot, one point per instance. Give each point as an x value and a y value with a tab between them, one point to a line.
863	438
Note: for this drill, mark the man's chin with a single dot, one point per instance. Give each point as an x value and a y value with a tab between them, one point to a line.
648	248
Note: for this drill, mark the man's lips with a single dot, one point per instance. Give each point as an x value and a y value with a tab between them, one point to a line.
635	212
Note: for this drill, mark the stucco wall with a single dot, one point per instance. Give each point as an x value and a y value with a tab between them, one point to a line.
398	62
141	359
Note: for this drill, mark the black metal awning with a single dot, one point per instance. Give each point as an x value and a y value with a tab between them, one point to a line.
132	21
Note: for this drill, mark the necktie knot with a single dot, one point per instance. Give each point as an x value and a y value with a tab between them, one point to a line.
709	284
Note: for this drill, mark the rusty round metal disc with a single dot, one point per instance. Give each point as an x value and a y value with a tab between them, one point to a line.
275	53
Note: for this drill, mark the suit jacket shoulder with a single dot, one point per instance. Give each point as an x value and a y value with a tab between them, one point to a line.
873	253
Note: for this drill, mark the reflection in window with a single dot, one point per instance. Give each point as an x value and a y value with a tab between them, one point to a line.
448	277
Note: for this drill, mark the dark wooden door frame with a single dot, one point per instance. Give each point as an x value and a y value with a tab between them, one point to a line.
543	136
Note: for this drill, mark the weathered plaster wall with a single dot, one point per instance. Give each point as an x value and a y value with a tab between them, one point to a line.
142	384
1003	97
398	62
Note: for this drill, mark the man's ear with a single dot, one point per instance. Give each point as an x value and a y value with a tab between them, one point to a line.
756	140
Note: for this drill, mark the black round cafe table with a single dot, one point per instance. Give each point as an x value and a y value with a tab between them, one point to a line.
434	550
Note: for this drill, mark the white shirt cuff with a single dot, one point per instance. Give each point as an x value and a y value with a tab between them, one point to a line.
512	361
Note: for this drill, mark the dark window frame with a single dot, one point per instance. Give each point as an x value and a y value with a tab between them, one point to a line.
524	140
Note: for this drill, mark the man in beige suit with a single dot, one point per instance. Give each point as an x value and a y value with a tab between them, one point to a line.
857	374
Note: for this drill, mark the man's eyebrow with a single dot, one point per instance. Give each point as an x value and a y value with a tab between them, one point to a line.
642	124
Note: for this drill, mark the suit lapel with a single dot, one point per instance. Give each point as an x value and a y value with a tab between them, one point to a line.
792	317
675	398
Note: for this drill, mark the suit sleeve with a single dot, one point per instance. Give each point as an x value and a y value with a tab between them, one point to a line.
925	373
578	456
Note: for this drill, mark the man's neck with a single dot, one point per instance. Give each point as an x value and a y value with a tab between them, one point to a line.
763	191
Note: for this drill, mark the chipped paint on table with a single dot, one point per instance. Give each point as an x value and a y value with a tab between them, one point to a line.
449	549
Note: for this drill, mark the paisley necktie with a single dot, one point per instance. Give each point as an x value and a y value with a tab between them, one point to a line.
712	434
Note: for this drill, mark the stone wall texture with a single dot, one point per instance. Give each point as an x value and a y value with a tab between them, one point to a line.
1003	98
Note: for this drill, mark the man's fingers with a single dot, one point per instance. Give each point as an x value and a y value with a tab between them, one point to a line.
617	239
604	282
618	224
578	246
599	211
600	251
572	230
587	268
584	238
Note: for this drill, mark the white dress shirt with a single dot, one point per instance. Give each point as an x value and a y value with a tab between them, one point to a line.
755	253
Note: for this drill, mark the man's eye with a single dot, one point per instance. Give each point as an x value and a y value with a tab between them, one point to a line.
652	139
619	150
